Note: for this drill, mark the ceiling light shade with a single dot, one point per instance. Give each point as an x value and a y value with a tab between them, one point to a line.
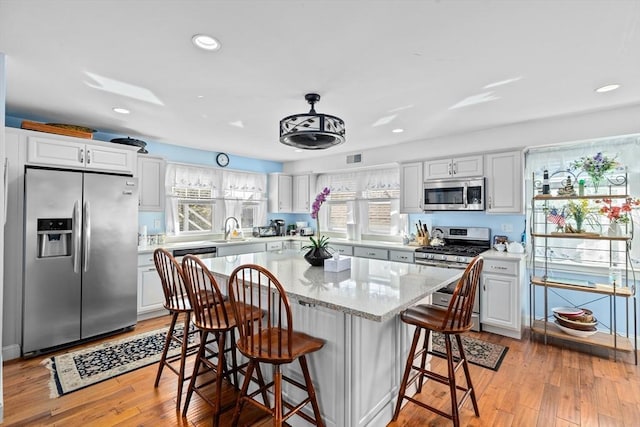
312	131
205	42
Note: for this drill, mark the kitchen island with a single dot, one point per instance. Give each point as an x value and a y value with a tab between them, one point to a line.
358	371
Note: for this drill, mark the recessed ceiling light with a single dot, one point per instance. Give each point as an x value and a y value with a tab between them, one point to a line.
397	130
121	110
607	88
200	96
205	42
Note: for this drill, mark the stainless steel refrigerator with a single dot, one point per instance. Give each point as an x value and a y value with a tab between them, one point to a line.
80	256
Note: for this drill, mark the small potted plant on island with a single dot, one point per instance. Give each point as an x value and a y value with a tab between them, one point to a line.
318	249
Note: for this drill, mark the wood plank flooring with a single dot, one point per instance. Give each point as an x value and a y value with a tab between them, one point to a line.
537	385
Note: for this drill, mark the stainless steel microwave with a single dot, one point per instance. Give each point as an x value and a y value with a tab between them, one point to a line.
454	195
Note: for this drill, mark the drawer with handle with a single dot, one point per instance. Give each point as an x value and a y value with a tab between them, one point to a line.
401	256
365	252
500	267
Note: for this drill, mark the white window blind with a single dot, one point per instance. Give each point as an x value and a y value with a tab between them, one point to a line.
199	198
368	198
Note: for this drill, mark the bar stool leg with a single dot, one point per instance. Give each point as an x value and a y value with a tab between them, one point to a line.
183	357
407	371
243	393
219	377
425	351
196	368
167	342
277	392
465	366
452	381
311	390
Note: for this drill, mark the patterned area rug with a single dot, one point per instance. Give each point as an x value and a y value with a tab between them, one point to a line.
478	352
78	369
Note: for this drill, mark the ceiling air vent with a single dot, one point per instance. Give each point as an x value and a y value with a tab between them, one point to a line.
354	158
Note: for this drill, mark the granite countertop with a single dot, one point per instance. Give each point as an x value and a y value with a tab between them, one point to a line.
373	289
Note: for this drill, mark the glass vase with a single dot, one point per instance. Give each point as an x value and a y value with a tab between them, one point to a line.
595	181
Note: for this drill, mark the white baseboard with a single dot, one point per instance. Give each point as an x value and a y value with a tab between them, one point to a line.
10	352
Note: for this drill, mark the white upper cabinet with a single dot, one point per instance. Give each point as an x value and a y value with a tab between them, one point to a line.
77	154
151	183
411	187
457	167
303	186
280	193
504	182
290	193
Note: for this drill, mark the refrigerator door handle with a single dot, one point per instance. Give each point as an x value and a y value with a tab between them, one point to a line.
75	220
87	236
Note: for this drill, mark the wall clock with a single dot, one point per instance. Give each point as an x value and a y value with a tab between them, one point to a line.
222	159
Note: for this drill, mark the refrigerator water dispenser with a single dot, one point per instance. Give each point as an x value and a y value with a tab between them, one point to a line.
54	237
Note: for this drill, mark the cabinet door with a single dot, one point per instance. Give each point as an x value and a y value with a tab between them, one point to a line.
364	252
301	194
280	193
441	168
401	256
499	304
151	180
52	152
411	188
150	294
504	182
110	159
342	249
467	166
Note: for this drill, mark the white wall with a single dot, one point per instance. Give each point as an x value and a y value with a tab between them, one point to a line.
2	157
555	130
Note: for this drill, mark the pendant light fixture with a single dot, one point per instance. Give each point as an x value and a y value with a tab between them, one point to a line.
312	131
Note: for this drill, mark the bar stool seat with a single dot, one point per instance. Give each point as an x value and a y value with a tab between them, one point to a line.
452	321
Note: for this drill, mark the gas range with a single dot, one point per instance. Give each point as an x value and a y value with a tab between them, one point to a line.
459	246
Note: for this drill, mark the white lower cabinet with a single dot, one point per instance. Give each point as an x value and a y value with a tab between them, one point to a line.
401	256
501	308
150	294
365	252
357	372
342	249
240	249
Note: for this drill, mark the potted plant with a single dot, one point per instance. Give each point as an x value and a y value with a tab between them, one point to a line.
318	248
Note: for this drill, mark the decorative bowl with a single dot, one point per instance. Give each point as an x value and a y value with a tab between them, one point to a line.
576	325
568	312
575	332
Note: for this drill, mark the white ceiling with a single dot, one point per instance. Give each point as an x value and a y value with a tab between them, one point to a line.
378	65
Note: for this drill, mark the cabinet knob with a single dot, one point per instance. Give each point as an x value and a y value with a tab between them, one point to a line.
81	156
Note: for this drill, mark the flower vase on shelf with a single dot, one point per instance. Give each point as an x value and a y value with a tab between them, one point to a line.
595	180
614	229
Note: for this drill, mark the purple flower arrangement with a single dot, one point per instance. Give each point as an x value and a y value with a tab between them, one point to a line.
320	242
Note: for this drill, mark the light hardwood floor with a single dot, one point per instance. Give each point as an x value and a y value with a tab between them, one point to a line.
536	385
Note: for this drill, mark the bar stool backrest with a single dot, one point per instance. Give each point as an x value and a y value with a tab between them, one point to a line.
204	294
460	308
254	285
173	286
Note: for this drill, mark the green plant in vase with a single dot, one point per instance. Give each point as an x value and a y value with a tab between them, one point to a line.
318	251
580	211
596	167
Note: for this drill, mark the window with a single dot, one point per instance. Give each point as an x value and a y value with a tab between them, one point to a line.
370	199
195	216
201	198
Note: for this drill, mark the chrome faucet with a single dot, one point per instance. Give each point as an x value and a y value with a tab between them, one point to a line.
227	229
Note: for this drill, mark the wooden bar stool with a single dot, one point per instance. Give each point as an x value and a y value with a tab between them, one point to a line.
176	300
272	342
213	315
455	320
